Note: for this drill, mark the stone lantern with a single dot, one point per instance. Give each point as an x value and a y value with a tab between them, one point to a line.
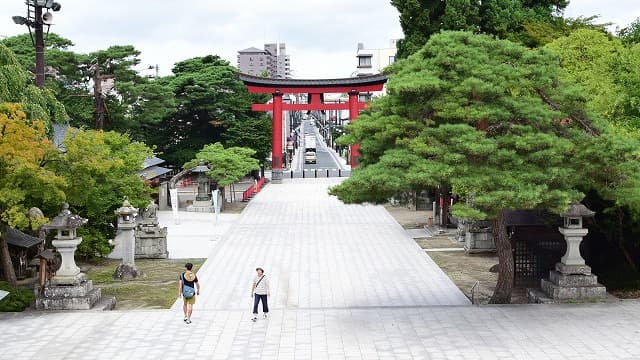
69	289
126	226
202	202
66	242
203	182
572	279
573	233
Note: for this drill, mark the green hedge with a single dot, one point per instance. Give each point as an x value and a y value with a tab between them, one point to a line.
17	300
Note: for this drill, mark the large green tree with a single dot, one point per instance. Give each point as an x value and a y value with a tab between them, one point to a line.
608	71
494	122
227	165
136	105
25	182
100	169
211	100
420	19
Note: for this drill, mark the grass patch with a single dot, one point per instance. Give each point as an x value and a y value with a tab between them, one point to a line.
158	288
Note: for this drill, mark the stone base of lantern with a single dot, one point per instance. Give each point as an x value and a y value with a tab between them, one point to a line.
201	206
127	272
81	296
568	283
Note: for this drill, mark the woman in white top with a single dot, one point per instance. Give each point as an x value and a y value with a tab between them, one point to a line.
260	292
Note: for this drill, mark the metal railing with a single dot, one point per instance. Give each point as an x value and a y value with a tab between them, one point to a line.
473	292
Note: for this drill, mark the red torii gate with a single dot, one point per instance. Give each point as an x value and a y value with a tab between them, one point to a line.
315	88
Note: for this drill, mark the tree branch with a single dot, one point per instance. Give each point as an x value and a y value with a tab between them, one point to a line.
585	123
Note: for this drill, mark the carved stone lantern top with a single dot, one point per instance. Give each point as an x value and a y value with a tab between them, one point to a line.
126	215
65	220
66	223
201	168
574	214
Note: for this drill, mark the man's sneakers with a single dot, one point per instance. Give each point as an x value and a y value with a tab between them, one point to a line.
187	320
254	318
265	316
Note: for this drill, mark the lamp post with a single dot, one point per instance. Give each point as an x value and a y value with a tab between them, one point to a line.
36	19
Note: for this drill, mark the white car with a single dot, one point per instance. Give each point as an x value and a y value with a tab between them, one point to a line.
310	157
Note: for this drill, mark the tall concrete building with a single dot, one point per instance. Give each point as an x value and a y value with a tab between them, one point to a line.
273	61
373	61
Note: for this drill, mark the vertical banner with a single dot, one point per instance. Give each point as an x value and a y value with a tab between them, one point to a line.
174	204
216	208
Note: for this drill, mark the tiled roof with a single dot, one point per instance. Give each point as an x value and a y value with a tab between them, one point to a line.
360	80
153	172
151	162
18	238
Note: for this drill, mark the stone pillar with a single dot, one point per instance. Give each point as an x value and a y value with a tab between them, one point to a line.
276	139
572	279
126	225
69	272
353	115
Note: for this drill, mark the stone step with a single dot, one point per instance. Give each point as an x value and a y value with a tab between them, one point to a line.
537	296
580	293
106	303
573	280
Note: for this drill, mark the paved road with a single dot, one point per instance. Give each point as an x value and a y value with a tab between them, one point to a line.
348	284
324	159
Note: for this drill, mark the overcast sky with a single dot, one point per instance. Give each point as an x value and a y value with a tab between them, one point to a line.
321	36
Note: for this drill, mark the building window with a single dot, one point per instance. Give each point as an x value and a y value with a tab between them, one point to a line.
392	59
364	61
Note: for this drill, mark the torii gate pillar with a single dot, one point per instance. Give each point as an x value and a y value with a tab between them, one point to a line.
276	139
354	157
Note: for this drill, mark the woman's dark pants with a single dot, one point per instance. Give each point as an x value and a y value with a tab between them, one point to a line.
257	298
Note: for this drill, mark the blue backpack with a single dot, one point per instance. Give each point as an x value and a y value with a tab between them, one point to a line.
187	291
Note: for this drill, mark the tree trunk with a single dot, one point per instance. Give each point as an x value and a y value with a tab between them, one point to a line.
627	256
502	292
7	265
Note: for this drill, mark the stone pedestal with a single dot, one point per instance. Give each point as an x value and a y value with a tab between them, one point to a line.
568	283
80	296
276	176
151	240
479	238
201	206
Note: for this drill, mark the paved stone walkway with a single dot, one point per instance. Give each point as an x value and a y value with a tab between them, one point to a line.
320	253
359	289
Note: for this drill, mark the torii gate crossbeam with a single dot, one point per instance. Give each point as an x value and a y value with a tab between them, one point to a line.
278	87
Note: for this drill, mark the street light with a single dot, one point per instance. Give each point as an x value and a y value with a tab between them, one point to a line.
36	19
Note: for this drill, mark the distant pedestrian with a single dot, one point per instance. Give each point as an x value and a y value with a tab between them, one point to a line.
259	292
188	288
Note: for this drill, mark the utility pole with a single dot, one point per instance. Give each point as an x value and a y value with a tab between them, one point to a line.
36	19
101	106
39	44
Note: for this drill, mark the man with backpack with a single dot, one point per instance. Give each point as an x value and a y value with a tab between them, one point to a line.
188	288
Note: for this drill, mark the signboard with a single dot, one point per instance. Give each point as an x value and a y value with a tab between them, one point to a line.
216	208
174	204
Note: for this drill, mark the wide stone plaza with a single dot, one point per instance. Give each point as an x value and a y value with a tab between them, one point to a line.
347	283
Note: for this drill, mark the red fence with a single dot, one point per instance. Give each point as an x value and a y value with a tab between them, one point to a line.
253	189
